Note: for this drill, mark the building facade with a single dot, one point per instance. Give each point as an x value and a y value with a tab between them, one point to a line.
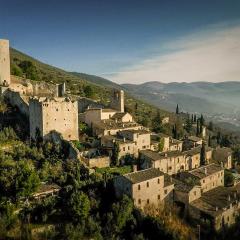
53	114
145	187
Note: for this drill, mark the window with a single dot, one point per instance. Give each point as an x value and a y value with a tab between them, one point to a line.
148	201
165	191
57	109
178	160
147	184
139	201
158	180
139	187
123	148
195	193
128	148
203	181
159	197
169	168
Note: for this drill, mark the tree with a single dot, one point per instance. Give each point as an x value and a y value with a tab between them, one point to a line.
89	92
27	180
79	206
210	126
228	178
177	109
157	124
203	155
198	128
195	118
209	141
115	155
29	69
188	124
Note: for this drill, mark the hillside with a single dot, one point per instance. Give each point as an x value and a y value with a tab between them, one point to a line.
79	84
219	101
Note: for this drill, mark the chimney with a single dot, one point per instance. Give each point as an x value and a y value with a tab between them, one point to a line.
235	195
216	208
124	139
165	155
134	168
171	179
221	164
205	171
229	197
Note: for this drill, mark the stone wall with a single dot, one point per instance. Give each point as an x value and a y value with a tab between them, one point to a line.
57	114
98	162
17	100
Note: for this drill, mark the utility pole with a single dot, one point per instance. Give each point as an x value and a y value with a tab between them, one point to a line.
199	231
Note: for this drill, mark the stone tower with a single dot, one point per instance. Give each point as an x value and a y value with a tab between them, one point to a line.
117	101
4	62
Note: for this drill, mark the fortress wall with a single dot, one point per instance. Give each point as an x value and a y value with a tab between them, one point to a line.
35	88
57	114
18	100
84	103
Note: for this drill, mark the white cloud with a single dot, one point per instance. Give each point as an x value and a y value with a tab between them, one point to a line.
210	55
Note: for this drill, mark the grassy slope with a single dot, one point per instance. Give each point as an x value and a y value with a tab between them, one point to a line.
76	82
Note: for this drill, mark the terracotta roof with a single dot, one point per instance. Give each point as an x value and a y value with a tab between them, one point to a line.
139	131
194	139
143	175
183	186
204	171
111	124
118	115
47	187
155	156
197	150
108	110
215	201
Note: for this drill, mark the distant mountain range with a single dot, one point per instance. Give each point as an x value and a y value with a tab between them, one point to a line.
200	97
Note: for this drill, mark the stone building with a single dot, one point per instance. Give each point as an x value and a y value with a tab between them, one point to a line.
53	114
97	115
216	209
164	143
111	127
175	145
185	192
5	79
117	101
208	177
130	142
191	142
173	162
148	186
223	156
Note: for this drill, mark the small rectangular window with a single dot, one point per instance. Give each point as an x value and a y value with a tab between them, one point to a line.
139	201
147	184
139	187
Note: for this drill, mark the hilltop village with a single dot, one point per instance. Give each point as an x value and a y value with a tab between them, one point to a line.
165	171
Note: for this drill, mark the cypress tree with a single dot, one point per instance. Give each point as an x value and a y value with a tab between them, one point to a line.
177	109
209	141
203	155
198	129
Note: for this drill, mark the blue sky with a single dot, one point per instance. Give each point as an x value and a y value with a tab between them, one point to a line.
128	41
